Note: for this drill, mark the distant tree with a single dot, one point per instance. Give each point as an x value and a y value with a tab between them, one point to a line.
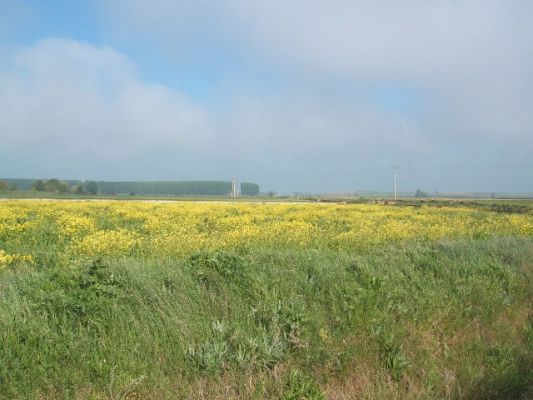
271	194
79	189
174	188
91	187
249	189
13	187
39	186
55	185
63	187
52	185
3	185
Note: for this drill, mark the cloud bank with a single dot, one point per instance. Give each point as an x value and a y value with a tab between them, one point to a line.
473	57
316	91
70	97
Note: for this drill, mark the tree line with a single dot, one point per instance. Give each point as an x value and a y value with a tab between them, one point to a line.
167	188
249	189
160	188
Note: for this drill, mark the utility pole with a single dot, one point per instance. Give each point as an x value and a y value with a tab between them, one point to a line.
395	169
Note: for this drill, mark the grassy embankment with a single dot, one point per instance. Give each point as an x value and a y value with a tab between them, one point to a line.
416	319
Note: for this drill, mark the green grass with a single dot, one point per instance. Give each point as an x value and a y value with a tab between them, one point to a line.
444	320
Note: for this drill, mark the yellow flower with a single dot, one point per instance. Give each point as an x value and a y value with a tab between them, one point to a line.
74	230
106	243
8	259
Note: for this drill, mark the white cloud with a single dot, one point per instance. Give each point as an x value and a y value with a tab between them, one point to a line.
65	100
474	57
68	97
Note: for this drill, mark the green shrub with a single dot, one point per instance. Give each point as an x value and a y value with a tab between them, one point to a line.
301	386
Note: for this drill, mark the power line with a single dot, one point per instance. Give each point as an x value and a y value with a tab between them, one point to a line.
443	167
460	167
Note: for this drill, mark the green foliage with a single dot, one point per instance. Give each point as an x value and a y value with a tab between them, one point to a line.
392	357
78	189
273	324
91	187
51	186
3	185
211	356
163	188
39	186
169	188
55	185
21	184
284	320
249	189
228	265
302	387
80	295
29	184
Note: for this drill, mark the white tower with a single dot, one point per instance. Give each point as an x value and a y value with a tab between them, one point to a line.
234	192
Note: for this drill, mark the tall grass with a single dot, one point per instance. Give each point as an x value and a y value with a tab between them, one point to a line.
450	319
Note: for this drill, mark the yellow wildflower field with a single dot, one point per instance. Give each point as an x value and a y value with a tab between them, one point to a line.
73	231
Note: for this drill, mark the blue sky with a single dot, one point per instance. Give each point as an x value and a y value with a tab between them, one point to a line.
294	95
33	20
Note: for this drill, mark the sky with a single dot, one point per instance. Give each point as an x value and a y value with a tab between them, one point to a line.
295	95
